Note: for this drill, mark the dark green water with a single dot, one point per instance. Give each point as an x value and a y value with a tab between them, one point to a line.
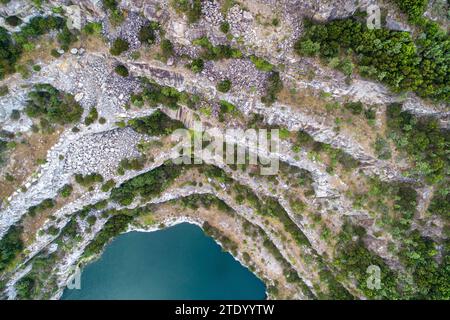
179	262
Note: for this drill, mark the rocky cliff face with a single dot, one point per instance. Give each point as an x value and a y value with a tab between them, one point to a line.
331	173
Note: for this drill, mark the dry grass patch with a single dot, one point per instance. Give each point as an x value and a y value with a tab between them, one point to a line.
23	160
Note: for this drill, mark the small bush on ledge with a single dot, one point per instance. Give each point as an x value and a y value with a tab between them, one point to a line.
121	70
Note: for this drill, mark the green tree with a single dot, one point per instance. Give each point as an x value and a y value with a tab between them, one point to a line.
119	46
121	70
224	85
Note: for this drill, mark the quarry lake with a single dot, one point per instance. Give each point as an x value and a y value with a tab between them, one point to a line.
179	262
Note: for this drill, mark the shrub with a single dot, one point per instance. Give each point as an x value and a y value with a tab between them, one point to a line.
155	94
147	33
261	64
225	27
93	28
370	113
307	47
430	275
44	205
352	257
218	52
91	117
47	102
53	231
156	124
91	220
382	149
15	114
38	26
132	164
115	15
274	86
13	21
109	4
346	66
121	70
227	107
55	53
9	53
65	38
25	287
4	90
191	8
108	185
66	191
119	46
137	100
224	85
440	203
89	179
196	65
166	48
354	107
12	46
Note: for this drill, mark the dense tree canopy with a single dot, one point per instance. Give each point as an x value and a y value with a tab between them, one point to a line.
221	51
156	124
9	53
13	45
413	8
146	185
392	57
48	102
423	139
191	8
119	46
10	246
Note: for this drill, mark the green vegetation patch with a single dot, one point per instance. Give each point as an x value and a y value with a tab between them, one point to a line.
423	140
191	8
45	101
219	52
13	45
11	245
392	57
353	259
261	64
39	208
91	117
146	185
156	124
119	46
112	228
89	179
274	86
147	33
224	85
121	70
66	191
